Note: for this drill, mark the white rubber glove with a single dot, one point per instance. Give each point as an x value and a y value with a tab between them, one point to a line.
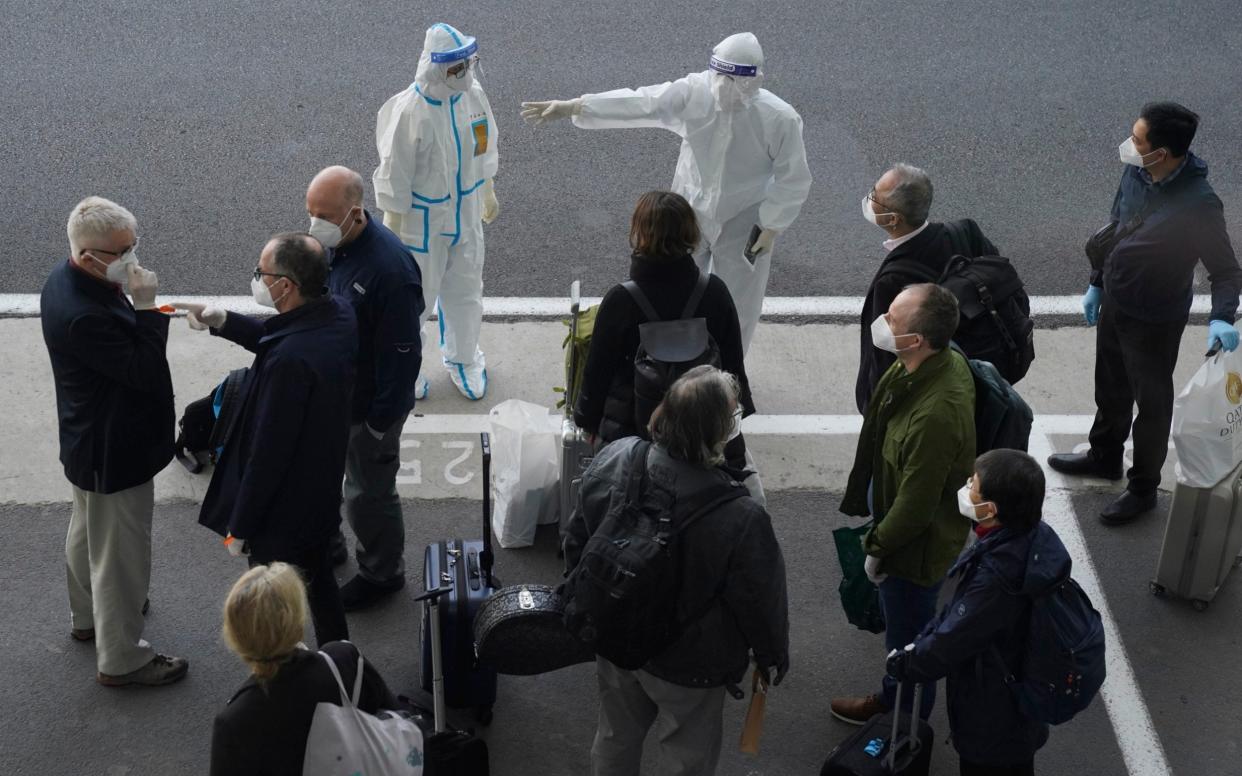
549	110
202	317
762	243
143	285
393	222
236	547
491	206
872	567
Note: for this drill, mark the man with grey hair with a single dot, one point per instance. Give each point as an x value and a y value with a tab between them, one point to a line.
917	251
114	401
731	570
916	448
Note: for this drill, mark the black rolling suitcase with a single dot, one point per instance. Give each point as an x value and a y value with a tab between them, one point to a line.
884	746
449	752
465	566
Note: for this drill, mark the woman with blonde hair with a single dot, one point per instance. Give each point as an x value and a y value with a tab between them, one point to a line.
263	728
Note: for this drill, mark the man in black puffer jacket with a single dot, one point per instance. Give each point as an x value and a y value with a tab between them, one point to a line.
979	638
732	575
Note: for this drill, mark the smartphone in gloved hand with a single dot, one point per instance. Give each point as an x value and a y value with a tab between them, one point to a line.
749	252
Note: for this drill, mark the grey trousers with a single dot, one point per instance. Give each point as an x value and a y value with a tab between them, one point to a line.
687	721
372	506
108	564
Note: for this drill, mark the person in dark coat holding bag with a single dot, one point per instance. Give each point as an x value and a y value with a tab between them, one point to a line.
978	639
276	492
663	235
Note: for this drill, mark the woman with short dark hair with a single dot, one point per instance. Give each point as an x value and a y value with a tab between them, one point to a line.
663	236
978	639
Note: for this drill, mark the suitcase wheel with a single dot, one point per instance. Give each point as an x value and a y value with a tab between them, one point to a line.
1157	589
483	715
1199	605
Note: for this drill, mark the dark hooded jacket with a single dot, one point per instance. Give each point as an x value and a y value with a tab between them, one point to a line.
978	639
732	570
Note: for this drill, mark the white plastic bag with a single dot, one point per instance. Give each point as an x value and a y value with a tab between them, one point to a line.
526	470
1207	422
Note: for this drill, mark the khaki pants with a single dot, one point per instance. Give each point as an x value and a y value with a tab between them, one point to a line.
108	559
687	722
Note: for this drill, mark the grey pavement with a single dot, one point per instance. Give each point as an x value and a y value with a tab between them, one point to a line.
209	118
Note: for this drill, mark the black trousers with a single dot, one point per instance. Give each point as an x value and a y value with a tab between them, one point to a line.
1134	362
967	768
322	594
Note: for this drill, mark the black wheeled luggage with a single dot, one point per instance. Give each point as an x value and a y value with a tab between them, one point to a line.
884	746
465	566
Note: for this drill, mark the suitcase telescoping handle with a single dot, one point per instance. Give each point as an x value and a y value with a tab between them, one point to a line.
486	558
431	602
912	742
575	305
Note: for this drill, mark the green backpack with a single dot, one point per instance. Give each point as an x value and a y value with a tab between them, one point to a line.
577	347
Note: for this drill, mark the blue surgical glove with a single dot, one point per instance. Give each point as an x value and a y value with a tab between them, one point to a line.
1226	335
1091	304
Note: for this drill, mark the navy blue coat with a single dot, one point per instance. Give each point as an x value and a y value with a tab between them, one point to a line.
1150	273
278	482
376	275
114	395
978	638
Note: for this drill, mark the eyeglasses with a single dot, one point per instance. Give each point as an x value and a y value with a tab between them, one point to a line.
888	208
258	273
459	70
121	252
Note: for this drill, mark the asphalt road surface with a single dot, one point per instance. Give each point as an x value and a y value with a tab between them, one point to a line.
59	721
208	119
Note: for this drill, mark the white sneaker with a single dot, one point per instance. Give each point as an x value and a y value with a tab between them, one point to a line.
421	388
470	379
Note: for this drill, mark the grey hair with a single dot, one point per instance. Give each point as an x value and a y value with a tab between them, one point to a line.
912	196
96	217
694	420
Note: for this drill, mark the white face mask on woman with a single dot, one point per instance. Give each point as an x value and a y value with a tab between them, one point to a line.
883	338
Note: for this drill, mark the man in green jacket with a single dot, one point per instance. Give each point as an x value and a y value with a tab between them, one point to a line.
916	449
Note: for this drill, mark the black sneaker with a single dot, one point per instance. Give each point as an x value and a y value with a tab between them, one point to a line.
359	593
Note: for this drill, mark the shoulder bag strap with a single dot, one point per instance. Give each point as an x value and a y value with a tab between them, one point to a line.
336	674
638	471
696	296
641	300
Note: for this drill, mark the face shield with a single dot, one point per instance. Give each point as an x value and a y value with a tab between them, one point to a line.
447	63
733	83
456	67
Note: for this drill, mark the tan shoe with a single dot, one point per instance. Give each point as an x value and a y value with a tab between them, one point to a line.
856	711
161	670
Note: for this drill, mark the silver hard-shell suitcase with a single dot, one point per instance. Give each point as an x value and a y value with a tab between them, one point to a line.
576	450
1201	541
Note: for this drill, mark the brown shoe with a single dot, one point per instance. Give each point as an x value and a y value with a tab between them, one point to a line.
857	711
82	634
161	670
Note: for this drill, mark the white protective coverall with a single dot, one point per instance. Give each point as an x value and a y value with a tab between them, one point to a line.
437	148
742	161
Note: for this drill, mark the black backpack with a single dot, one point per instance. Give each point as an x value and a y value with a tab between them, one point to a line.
207	423
621	598
1002	417
995	323
667	350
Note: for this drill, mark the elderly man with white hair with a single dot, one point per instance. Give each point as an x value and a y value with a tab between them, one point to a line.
114	399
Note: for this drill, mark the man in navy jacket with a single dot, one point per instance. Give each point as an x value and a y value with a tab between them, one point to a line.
114	401
372	270
276	491
1141	299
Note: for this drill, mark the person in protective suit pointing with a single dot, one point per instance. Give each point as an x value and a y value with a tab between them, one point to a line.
437	148
742	165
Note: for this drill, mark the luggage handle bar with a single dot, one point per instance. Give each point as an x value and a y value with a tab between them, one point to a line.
487	558
575	305
431	602
911	741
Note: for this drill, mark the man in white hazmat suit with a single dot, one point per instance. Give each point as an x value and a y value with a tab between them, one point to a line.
437	149
742	162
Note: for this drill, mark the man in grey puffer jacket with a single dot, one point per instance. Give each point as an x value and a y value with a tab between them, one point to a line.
732	584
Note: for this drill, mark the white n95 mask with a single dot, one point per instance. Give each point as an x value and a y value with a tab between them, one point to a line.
883	338
326	232
870	214
967	507
118	271
1130	155
262	294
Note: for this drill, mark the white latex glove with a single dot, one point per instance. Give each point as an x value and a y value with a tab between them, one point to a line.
236	547
143	285
378	435
872	567
549	110
393	221
491	206
762	243
202	317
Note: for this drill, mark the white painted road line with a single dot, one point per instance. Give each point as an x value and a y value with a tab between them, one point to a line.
1136	733
27	305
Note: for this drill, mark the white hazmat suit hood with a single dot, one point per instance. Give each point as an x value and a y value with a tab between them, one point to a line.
737	70
444	47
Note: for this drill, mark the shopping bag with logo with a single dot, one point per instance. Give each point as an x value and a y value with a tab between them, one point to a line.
860	598
526	444
1207	422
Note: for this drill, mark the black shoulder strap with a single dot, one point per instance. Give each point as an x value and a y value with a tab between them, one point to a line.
696	296
638	471
641	300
